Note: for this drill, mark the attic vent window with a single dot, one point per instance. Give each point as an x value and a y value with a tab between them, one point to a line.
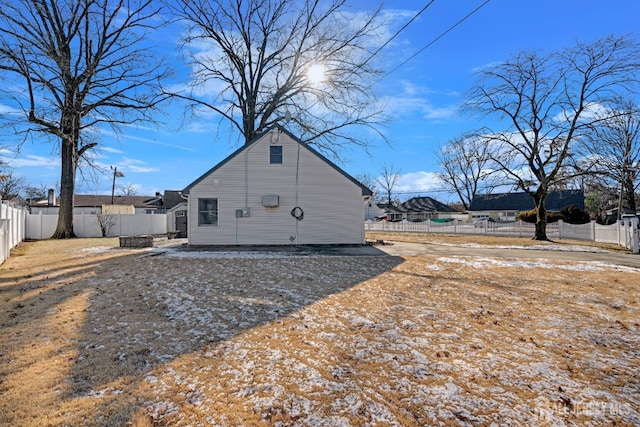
275	154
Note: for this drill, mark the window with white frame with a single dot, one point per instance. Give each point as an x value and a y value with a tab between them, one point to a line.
208	211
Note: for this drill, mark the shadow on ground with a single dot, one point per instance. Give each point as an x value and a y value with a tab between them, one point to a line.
100	329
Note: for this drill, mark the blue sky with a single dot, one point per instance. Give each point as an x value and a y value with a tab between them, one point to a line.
422	96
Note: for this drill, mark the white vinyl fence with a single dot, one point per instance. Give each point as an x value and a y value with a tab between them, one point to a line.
624	233
12	229
87	225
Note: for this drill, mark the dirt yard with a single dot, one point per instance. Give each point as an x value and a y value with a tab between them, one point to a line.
96	335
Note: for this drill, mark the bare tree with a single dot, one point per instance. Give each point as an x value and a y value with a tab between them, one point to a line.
79	65
613	148
466	167
106	221
548	102
128	190
304	61
40	191
599	198
388	179
370	182
11	184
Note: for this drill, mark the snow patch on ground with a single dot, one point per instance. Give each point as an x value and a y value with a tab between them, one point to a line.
551	247
481	262
96	249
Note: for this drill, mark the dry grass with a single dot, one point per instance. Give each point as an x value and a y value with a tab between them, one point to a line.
451	239
113	337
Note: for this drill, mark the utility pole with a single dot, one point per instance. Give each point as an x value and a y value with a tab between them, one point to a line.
116	174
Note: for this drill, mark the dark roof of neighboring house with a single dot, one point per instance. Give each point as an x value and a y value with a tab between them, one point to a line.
556	201
423	204
90	200
172	198
386	206
365	191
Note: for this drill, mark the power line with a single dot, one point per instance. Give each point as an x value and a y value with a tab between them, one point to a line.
397	33
433	41
423	191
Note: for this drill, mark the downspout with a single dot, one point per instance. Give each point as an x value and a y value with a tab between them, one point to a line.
362	231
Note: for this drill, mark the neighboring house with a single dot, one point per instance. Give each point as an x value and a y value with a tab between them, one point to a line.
176	207
374	211
422	209
92	204
506	206
611	215
15	201
276	190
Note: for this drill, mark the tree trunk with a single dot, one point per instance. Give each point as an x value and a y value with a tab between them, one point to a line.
541	218
629	194
64	229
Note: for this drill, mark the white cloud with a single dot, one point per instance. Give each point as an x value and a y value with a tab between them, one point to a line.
135	165
415	99
487	66
146	140
417	181
404	105
8	110
111	150
30	160
141	169
592	111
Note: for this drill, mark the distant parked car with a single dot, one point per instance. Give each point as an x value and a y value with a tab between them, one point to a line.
629	217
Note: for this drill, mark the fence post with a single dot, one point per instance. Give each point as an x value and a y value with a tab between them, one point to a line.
560	222
619	229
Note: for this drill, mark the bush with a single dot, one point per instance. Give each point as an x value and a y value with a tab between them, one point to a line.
530	216
574	215
570	214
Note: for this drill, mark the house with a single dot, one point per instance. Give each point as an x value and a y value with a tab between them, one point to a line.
275	190
176	207
93	204
375	211
506	206
422	209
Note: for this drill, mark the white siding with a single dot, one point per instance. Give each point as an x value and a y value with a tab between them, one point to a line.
332	204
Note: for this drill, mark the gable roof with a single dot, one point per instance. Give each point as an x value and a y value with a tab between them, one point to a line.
556	201
172	198
423	204
365	191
